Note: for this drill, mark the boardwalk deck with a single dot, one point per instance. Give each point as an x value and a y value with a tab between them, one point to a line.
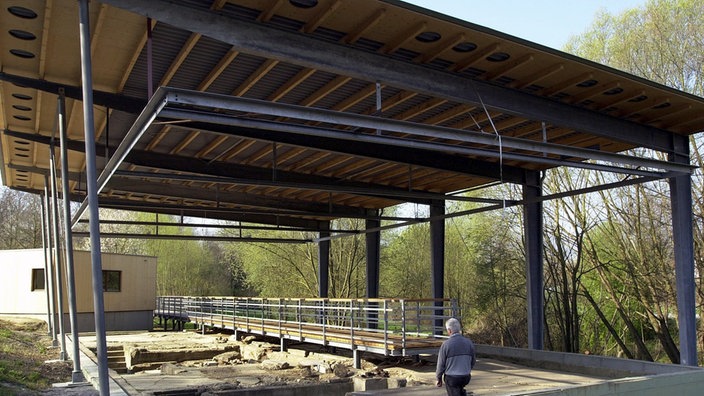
390	327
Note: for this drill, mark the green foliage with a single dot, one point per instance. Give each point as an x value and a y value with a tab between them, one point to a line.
291	270
631	251
21	225
661	41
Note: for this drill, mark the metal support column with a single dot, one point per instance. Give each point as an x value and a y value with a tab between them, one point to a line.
373	243
92	185
533	231
76	375
324	262
437	257
682	220
57	248
47	278
50	270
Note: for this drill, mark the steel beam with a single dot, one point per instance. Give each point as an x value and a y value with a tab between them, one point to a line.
92	200
304	50
236	198
437	257
57	250
382	148
373	244
76	374
324	261
114	101
682	220
533	235
218	101
176	237
143	121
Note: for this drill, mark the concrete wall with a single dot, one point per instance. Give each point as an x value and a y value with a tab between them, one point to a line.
601	366
129	309
688	383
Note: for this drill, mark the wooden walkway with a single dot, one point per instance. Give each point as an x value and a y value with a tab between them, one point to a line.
390	327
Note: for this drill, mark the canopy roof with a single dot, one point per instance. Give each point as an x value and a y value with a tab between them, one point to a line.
295	112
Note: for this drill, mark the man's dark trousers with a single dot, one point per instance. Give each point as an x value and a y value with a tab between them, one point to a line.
454	384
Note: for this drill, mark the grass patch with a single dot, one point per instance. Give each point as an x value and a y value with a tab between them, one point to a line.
24	349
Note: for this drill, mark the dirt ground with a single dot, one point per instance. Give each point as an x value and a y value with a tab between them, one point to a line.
257	362
249	363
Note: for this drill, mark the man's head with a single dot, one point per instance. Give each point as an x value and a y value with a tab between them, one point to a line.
453	326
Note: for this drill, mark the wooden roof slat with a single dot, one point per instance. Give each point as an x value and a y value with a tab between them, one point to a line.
476	55
253	78
508	67
439	49
319	18
537	76
223	64
394	44
364	26
592	92
269	11
291	84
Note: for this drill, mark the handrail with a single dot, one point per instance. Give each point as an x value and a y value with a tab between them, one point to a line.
382	325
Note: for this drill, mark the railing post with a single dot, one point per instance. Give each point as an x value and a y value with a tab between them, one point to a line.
403	325
352	324
322	319
386	328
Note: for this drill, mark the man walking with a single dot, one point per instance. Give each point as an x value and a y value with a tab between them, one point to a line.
455	360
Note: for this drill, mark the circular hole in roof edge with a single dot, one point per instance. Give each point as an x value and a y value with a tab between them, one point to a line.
498	57
22	118
465	47
22	12
588	83
614	91
21	108
21	96
22	34
428	37
303	3
22	53
638	99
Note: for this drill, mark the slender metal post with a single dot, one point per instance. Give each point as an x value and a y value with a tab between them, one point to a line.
437	259
682	220
57	248
76	375
533	234
373	245
50	270
92	184
45	246
324	262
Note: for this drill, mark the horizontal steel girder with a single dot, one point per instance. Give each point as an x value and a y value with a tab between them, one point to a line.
224	102
304	50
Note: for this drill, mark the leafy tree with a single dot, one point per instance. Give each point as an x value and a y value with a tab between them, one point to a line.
21	226
662	41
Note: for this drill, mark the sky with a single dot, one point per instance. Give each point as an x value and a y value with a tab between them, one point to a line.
547	22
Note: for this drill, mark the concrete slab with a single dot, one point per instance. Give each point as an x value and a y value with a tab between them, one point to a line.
527	372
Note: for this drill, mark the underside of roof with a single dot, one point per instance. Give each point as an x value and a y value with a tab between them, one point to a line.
295	112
